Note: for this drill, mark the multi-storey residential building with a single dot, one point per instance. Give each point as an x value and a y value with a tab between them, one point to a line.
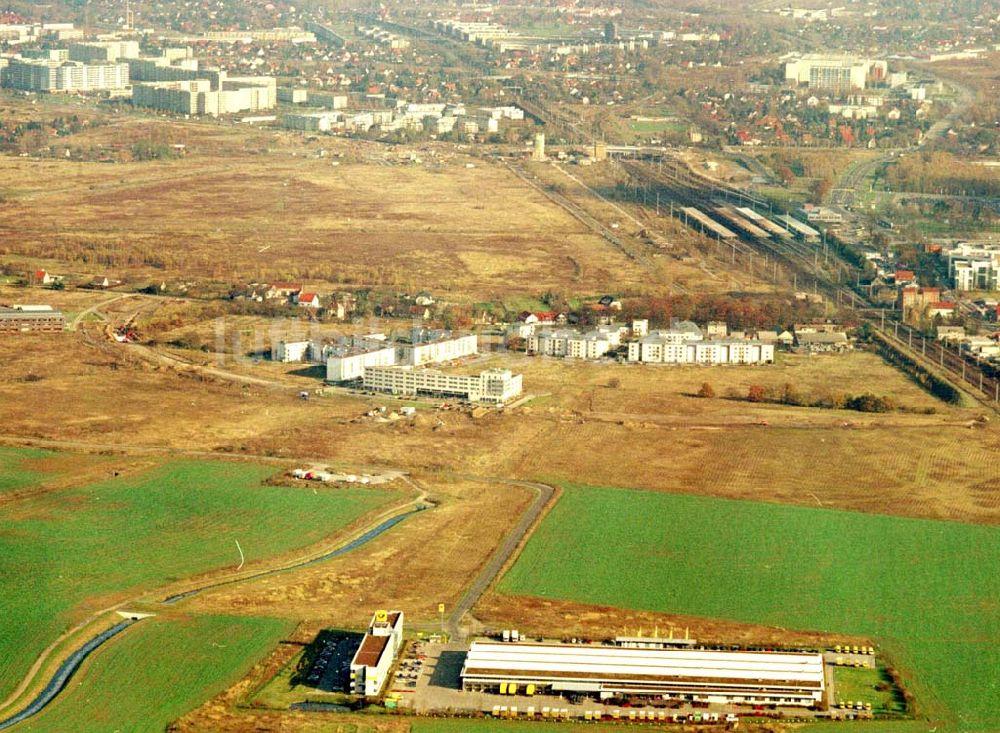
348	363
106	51
200	96
493	386
840	74
313	121
31	318
974	266
574	344
434	347
47	75
685	345
193	97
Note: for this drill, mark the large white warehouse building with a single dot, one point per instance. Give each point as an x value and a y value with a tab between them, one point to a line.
697	675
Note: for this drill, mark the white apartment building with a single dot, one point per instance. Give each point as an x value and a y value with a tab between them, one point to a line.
347	360
106	51
837	73
313	121
575	344
348	363
289	351
47	75
682	347
194	97
434	347
175	64
373	660
201	97
493	386
974	266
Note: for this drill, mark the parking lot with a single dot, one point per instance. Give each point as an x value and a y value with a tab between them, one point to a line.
327	666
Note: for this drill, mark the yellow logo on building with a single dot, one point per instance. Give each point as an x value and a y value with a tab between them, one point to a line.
381	617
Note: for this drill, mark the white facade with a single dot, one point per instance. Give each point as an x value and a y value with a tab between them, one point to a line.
493	386
313	121
66	76
212	93
782	678
975	266
372	663
104	50
685	347
837	73
574	344
435	350
347	364
289	351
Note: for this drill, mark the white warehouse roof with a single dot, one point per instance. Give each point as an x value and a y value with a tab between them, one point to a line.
487	659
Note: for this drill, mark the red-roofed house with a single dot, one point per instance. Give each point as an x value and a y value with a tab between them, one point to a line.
308	300
905	276
917	299
41	277
528	322
941	308
538	318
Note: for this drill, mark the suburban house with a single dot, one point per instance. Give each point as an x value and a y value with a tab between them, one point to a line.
41	277
308	300
285	291
528	322
941	308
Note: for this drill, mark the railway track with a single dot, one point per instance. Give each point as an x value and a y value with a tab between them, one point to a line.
577	212
828	277
684	190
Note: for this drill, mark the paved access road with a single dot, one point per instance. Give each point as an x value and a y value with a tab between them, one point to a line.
503	553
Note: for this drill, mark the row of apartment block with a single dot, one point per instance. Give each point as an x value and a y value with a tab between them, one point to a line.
493	386
575	344
662	347
47	75
347	360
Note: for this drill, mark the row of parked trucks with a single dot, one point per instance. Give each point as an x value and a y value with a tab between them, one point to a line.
551	713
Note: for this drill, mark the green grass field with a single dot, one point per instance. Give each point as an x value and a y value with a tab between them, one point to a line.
928	591
16	471
860	684
651	126
157	671
73	548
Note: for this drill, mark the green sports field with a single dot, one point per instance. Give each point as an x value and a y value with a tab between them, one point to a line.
928	591
67	551
156	671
